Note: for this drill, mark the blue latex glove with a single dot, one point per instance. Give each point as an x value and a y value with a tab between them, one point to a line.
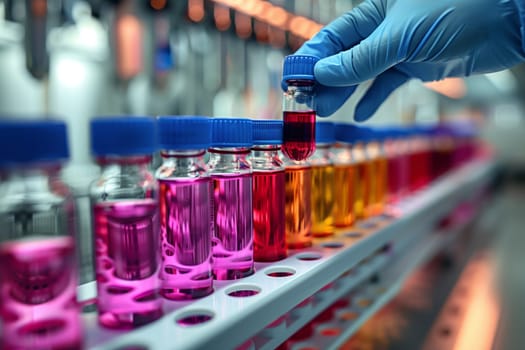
395	40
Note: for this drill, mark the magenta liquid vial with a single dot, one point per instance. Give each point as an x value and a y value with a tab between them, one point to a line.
269	234
232	243
299	106
185	201
126	228
38	266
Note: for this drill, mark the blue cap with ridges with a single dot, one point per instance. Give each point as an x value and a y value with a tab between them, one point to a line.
267	132
32	141
325	132
123	136
184	132
231	132
349	133
299	67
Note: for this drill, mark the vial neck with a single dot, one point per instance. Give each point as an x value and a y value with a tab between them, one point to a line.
125	164
40	171
225	160
186	154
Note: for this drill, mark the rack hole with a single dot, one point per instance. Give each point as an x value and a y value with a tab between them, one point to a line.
280	272
333	245
445	331
330	332
242	291
348	316
367	225
353	234
309	256
133	347
192	318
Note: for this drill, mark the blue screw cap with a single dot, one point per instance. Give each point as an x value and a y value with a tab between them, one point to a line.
267	132
350	133
123	136
299	67
231	132
325	132
25	142
184	132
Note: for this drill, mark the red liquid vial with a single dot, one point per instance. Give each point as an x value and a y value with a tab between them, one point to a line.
299	107
268	191
298	134
186	208
126	222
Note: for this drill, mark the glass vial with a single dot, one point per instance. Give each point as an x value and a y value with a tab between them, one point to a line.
185	204
376	157
232	244
299	106
345	178
38	266
298	210
268	191
126	229
323	181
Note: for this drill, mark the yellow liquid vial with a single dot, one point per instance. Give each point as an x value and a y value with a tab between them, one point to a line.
298	221
380	169
364	189
345	180
322	200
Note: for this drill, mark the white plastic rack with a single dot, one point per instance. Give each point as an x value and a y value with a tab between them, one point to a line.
282	297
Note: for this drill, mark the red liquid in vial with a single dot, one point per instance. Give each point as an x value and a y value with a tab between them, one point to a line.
186	232
38	307
268	216
126	263
298	134
233	234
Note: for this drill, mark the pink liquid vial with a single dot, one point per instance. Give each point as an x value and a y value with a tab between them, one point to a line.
231	172
126	228
299	107
269	233
38	267
185	208
186	238
233	240
126	263
38	292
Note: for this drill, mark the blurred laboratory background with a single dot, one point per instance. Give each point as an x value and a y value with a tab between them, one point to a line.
76	59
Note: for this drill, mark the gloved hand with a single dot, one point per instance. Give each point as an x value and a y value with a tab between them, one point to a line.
395	40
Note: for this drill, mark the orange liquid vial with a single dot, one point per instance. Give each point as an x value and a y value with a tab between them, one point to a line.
298	221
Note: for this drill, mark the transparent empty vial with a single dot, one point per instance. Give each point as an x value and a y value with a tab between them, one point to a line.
38	267
126	229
